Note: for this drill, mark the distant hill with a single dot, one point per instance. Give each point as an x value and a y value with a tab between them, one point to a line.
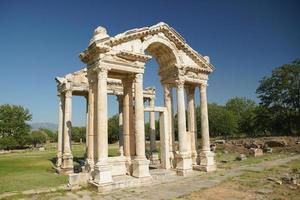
51	126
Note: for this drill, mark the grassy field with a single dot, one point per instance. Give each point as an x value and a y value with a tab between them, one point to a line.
34	169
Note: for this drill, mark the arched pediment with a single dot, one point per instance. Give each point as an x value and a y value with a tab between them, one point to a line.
135	42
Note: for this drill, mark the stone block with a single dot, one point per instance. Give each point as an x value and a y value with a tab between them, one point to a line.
184	164
140	168
207	161
256	152
103	173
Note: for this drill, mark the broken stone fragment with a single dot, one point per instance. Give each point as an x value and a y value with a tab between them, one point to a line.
279	182
256	152
241	157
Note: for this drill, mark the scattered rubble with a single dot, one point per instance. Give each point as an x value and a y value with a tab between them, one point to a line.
279	182
220	141
256	152
241	157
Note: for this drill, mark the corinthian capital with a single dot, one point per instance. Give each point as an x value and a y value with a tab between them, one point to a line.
138	78
203	86
102	72
68	94
179	83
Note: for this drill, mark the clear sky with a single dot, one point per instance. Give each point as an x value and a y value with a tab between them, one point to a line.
40	40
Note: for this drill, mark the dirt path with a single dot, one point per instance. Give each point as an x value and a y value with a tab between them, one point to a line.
172	187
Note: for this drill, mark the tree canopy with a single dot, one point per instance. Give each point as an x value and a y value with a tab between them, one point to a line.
280	95
13	124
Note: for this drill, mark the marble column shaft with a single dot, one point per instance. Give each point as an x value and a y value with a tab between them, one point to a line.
67	164
102	133
168	101
127	86
139	117
182	135
67	123
121	140
90	127
60	131
152	127
192	128
204	119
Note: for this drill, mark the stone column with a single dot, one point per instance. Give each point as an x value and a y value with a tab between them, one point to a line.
121	140
127	87
152	127
60	131
168	101
192	122
87	124
164	139
103	171
140	164
90	128
154	158
184	160
207	162
132	139
67	165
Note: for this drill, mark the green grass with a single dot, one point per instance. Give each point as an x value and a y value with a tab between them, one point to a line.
34	169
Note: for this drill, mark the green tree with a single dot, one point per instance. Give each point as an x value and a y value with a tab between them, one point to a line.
113	129
78	134
244	110
280	94
222	122
13	124
50	134
38	137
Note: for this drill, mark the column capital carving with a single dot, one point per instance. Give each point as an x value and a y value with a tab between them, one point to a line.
102	72
203	86
68	93
179	83
138	78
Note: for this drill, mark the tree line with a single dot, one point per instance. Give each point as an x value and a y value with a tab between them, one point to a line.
277	113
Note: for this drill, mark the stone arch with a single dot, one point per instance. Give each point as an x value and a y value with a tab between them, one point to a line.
161	48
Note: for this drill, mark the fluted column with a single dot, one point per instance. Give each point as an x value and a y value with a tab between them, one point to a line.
139	116
192	121
140	164
67	154
204	119
127	88
184	162
90	127
207	162
102	168
121	140
87	123
168	101
60	131
152	127
182	136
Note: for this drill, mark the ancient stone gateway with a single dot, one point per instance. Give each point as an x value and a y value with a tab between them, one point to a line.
115	65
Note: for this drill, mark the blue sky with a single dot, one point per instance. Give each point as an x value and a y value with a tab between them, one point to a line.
40	40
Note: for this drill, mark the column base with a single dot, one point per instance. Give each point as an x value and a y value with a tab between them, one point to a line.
58	161
194	157
67	164
184	164
89	165
154	159
140	167
207	161
103	173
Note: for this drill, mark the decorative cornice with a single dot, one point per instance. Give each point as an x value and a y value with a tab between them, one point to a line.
133	56
170	33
